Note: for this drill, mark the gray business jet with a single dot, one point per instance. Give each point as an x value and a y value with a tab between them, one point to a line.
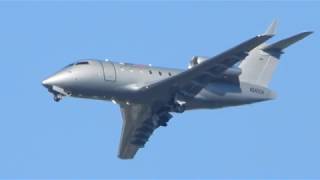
148	95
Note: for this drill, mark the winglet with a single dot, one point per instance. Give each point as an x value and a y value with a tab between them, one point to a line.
271	29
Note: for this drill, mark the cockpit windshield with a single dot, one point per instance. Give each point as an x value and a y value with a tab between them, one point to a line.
77	63
82	63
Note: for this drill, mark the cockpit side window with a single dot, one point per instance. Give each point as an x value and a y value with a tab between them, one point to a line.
68	66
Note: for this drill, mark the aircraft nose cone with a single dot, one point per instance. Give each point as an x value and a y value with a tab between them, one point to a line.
47	82
57	79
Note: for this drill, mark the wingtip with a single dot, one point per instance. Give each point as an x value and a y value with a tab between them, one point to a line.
271	31
307	33
304	34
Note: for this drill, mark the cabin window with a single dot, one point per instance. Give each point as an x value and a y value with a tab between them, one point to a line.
160	73
169	73
150	72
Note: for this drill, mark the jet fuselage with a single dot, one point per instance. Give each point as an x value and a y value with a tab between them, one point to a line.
148	95
119	82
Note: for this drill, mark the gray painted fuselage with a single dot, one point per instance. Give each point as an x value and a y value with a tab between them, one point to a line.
119	82
148	95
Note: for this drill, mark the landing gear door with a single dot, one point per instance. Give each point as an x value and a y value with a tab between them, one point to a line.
109	71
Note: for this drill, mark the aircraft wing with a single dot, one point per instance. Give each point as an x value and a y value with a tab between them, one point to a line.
139	123
191	81
140	120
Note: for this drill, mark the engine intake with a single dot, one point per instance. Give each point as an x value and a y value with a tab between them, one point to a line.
196	60
230	72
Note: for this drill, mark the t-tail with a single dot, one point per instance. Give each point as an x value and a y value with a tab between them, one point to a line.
258	67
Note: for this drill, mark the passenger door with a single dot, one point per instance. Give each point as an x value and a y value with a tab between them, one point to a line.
109	71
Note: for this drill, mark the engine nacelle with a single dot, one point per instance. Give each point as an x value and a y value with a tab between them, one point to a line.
230	72
196	60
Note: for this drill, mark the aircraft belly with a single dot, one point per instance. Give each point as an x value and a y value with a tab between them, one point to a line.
217	95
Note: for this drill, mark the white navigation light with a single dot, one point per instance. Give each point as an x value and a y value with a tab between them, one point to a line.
114	101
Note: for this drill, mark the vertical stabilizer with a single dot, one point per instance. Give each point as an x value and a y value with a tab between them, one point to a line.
258	67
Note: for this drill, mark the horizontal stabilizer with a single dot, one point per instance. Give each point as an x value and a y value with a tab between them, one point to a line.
282	44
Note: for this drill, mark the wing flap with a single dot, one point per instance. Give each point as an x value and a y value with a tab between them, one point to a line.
139	123
132	116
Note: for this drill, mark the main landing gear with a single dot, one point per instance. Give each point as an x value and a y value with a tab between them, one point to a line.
178	103
178	108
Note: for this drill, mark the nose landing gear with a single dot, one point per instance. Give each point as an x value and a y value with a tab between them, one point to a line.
57	97
58	93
